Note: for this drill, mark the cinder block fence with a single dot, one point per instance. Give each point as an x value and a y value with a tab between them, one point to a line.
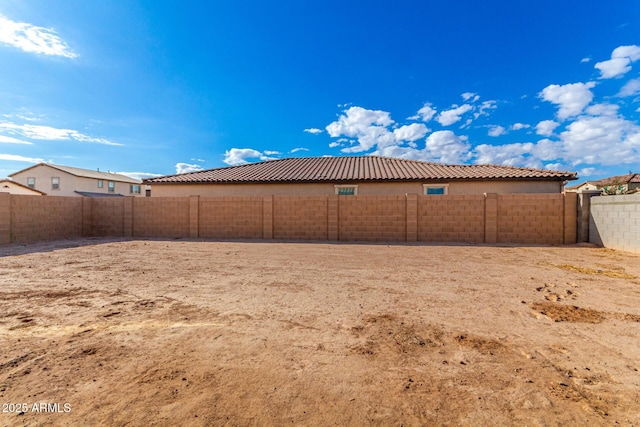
490	218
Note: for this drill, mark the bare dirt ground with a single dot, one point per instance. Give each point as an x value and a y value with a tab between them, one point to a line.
178	332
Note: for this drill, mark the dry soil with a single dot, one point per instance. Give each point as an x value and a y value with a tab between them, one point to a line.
180	332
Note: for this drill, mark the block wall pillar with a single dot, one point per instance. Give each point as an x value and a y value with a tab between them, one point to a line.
5	218
570	218
412	217
490	218
127	220
194	217
267	217
332	218
87	217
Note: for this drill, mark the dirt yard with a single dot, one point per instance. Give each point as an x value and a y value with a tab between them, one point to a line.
178	332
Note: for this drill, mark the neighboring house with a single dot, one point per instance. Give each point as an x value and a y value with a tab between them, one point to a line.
357	176
12	187
58	180
585	186
621	184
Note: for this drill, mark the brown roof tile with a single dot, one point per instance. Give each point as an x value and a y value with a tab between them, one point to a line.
362	168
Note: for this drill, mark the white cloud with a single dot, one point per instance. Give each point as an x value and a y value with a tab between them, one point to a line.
335	144
50	133
484	108
587	172
314	131
186	168
14	158
606	140
519	126
454	115
496	131
620	61
425	114
239	156
546	127
198	160
33	39
602	109
144	175
411	132
9	140
369	127
470	96
295	150
631	88
271	153
571	98
506	155
583	60
446	147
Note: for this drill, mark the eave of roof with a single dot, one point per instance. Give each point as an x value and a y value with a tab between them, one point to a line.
356	169
85	173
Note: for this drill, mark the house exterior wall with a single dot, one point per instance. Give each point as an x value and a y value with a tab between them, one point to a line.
615	222
69	183
490	218
10	187
364	188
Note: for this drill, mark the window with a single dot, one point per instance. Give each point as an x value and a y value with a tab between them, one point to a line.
134	189
435	189
100	183
31	182
112	187
346	190
55	183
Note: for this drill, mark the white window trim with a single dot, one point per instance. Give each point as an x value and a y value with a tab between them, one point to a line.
52	185
425	186
34	182
100	181
131	188
111	189
337	188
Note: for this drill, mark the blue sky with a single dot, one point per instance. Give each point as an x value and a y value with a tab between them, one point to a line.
158	87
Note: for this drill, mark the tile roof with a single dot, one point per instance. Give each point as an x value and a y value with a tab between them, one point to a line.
361	168
620	179
86	173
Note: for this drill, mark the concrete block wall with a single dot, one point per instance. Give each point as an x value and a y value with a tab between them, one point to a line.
300	217
451	218
531	218
372	218
231	217
107	217
159	217
615	222
35	218
490	218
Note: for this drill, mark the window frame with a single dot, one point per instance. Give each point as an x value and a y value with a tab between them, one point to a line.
111	186
55	183
337	189
425	188
101	183
32	186
131	188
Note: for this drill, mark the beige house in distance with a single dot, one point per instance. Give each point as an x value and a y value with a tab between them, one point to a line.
57	180
11	187
359	175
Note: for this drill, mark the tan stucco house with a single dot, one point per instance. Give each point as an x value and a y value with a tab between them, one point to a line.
57	180
12	187
620	184
357	176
